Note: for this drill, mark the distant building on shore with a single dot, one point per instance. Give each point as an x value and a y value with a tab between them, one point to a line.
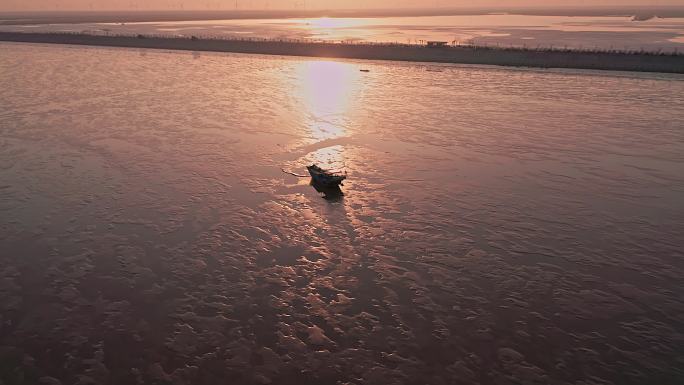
436	44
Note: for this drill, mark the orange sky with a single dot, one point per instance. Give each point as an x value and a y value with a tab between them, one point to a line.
289	4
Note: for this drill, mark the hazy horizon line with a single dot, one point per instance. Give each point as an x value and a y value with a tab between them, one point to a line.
356	9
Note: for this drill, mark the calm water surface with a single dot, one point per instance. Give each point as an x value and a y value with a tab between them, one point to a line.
498	226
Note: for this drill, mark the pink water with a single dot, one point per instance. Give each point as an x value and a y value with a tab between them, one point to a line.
498	226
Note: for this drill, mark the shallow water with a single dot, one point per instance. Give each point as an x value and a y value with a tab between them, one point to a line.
605	32
498	226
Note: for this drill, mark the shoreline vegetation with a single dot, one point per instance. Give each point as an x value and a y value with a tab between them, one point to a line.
549	57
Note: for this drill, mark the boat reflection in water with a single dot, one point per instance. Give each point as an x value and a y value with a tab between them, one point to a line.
327	182
331	193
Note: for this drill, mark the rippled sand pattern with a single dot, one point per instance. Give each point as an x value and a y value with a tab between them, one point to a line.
498	226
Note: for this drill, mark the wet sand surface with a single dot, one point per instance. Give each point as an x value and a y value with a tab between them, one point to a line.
498	226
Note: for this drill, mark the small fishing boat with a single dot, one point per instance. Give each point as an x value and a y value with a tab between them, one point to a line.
324	177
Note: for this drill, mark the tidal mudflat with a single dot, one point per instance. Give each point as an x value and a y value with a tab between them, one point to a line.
499	226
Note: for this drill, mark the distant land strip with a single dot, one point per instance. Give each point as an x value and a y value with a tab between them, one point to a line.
610	60
69	17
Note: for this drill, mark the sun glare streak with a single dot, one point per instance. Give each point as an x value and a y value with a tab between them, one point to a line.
327	91
329	22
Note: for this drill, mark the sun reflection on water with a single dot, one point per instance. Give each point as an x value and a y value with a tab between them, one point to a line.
331	158
327	91
329	22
